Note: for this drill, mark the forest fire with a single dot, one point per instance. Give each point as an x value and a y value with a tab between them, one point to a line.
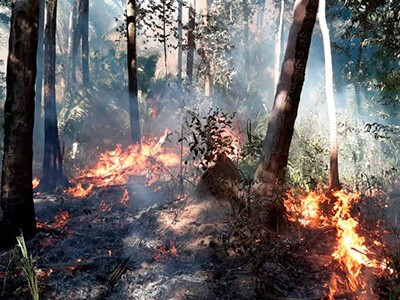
116	166
351	251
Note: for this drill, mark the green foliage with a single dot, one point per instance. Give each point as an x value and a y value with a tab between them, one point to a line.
28	268
208	137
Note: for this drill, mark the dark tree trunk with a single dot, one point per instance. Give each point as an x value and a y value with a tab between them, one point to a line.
52	176
38	126
274	157
132	72
191	46
16	205
85	42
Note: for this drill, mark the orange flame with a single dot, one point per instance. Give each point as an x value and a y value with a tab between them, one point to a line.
79	191
305	209
116	166
351	251
35	182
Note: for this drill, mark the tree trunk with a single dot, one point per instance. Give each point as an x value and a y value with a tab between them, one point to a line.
52	176
334	168
180	38
191	46
16	205
278	45
274	157
132	71
73	44
85	42
38	126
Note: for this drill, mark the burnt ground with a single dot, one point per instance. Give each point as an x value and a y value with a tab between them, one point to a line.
161	246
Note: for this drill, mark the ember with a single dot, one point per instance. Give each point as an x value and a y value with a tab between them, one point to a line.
168	248
60	221
125	197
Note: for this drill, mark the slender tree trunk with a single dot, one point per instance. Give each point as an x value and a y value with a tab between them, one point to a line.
278	45
16	205
334	168
274	157
52	176
206	58
132	71
38	126
73	44
180	38
191	46
85	42
246	36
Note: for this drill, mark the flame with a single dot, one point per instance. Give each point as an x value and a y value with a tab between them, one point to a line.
35	182
79	191
305	209
116	166
351	251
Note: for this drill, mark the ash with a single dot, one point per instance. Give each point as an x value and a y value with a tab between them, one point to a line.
157	246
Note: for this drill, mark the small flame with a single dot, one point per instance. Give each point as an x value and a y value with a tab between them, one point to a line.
305	209
79	191
61	219
35	182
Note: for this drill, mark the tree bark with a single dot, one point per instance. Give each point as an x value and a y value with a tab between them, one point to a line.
132	71
274	157
334	168
16	205
180	38
38	126
278	45
73	44
52	176
85	42
191	46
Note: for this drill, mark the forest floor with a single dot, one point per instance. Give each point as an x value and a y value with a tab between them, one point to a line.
157	245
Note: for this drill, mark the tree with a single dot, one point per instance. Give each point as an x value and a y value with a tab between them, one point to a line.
52	176
190	46
180	38
73	44
278	44
16	206
132	71
38	126
334	168
274	156
84	13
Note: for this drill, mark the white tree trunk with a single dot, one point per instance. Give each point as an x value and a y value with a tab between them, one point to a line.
334	172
